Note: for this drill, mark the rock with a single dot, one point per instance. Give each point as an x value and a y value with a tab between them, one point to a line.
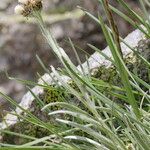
4	4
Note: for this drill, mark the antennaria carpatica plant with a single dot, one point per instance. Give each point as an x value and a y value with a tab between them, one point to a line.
94	112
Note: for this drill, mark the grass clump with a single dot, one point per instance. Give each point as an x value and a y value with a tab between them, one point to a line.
108	110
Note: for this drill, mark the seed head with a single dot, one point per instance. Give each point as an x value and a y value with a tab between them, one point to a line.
24	1
19	9
27	7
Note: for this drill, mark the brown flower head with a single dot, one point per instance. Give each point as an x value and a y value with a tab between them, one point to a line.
27	7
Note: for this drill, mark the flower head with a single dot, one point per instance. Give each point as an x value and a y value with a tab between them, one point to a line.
19	9
27	7
23	1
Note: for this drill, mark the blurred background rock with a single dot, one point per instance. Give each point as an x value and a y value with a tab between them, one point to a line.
21	39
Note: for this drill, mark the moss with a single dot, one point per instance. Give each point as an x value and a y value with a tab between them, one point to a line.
26	128
108	75
134	64
51	94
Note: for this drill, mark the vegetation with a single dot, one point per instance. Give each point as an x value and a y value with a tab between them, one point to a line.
107	110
